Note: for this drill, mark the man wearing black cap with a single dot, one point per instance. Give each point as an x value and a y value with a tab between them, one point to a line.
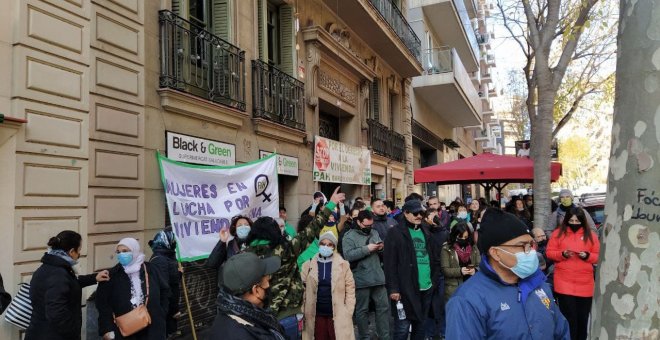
508	297
241	300
411	261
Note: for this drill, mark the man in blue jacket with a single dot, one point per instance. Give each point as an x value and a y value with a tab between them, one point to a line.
508	298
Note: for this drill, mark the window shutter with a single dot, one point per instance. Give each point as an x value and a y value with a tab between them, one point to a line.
176	7
375	100
261	36
287	39
221	19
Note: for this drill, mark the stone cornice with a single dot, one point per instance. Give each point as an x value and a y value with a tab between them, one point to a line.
267	128
195	107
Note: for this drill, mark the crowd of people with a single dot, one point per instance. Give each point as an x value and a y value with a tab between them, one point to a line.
425	270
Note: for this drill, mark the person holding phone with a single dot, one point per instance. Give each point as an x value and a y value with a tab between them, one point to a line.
574	248
460	258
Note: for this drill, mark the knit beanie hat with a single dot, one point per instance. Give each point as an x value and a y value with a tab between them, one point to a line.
330	236
565	192
498	227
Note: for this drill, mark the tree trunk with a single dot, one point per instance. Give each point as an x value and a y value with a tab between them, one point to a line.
541	153
627	286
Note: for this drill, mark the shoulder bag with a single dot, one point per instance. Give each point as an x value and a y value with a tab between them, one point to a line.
19	311
137	319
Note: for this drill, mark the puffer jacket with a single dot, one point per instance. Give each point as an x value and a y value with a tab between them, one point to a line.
56	294
485	307
573	276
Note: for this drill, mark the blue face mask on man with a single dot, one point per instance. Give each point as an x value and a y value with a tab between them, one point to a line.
526	264
125	258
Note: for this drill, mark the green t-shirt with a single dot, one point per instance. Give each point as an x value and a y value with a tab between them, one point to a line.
423	262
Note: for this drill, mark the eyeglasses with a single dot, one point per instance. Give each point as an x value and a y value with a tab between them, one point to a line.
367	225
417	213
526	247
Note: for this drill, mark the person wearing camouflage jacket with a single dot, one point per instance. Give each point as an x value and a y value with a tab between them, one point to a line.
265	239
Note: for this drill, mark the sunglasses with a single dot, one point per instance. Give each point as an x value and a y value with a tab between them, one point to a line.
417	213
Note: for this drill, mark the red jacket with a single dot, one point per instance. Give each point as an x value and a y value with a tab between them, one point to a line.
573	276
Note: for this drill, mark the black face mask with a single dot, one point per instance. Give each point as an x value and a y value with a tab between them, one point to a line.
436	220
575	226
542	243
266	299
366	230
461	242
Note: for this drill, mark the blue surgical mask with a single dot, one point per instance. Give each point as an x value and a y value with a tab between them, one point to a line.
125	258
242	231
462	214
526	264
326	251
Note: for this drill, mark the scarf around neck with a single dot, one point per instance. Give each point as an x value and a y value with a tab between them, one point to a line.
463	253
63	255
133	270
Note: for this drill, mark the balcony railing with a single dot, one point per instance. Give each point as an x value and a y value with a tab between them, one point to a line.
437	60
197	62
393	16
277	96
386	142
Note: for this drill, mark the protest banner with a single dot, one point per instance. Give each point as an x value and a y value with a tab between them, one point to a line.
341	163
201	200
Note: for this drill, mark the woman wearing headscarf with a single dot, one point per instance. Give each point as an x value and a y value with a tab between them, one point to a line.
164	261
56	291
128	290
231	242
329	299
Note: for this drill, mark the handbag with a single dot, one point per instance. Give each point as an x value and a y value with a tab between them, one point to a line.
19	311
137	319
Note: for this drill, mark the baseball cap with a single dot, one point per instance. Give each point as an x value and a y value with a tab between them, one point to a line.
413	206
242	271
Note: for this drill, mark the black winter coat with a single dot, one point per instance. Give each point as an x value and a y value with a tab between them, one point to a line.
439	235
227	328
114	297
164	261
401	268
56	295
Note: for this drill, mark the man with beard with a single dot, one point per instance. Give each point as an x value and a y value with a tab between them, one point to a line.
241	308
412	262
382	223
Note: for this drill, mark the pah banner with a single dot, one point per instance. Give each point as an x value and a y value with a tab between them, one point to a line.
341	163
201	200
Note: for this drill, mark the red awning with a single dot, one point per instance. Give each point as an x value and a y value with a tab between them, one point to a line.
483	168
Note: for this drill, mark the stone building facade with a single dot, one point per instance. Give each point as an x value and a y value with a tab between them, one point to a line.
93	88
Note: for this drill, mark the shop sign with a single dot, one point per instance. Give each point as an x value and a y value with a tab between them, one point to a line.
341	163
286	165
189	149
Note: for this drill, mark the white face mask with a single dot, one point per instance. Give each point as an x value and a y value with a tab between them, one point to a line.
462	214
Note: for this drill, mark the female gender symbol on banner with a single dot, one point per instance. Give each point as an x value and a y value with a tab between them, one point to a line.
261	183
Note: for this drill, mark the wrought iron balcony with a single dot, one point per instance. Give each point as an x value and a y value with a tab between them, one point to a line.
197	62
277	96
386	142
393	16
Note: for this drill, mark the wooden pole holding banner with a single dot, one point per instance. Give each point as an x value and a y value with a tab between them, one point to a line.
185	296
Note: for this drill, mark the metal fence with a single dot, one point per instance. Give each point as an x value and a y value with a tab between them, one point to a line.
277	96
197	62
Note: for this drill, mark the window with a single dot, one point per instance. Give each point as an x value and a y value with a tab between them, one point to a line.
211	15
374	100
198	12
395	117
277	35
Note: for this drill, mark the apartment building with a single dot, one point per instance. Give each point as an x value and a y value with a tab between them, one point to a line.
94	88
451	100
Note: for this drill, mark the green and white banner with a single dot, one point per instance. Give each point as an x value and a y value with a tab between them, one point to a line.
201	200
